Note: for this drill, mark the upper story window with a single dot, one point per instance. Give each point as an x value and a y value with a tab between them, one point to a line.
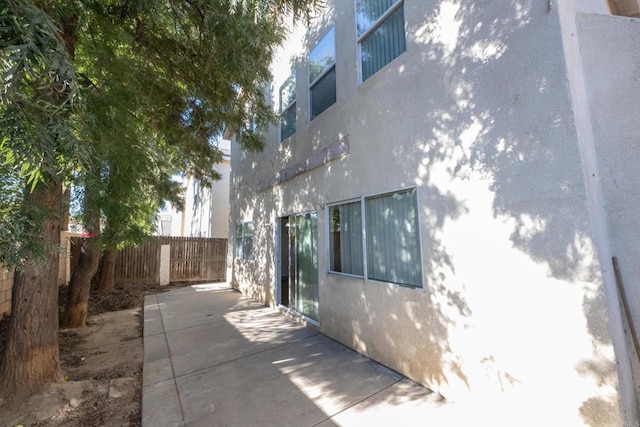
381	36
322	74
288	108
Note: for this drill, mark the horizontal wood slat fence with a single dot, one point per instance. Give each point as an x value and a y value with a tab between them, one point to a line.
192	259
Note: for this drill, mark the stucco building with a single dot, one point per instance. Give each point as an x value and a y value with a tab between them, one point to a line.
445	192
206	207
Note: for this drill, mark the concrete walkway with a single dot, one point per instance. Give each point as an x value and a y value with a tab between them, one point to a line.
213	357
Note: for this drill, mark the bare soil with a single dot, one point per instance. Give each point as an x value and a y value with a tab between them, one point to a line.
102	365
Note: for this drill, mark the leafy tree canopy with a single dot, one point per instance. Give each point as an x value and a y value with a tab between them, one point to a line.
118	95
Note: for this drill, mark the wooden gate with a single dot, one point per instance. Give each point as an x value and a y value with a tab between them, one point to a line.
196	259
139	264
192	259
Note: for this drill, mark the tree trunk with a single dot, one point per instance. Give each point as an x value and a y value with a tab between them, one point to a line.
77	305
32	357
108	271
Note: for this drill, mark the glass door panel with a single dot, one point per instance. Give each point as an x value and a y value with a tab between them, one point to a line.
303	264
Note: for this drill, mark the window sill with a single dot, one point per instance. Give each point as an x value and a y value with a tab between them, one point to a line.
347	275
362	278
400	285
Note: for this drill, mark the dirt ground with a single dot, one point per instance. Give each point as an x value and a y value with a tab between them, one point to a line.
102	364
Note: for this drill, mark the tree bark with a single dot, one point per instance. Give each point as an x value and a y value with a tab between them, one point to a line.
108	270
77	305
32	357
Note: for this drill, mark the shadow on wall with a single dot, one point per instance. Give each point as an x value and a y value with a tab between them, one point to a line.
496	128
200	211
254	276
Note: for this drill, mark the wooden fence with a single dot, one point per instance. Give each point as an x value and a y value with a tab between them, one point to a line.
192	259
139	264
197	258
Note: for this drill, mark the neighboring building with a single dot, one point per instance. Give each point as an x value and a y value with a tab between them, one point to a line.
206	212
444	195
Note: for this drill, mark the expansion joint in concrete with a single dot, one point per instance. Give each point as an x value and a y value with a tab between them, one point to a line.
358	402
173	371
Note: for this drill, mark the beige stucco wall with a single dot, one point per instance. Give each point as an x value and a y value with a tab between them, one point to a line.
476	115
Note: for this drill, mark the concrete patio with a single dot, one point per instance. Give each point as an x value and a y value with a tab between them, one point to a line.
213	357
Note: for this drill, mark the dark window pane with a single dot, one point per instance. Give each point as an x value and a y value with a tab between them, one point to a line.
383	45
323	93
288	123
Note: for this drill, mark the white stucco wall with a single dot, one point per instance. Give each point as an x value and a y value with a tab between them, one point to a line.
477	115
219	222
206	208
614	89
578	46
196	217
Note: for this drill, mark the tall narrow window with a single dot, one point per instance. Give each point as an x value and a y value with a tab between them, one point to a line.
381	36
345	239
322	74
244	240
288	108
393	246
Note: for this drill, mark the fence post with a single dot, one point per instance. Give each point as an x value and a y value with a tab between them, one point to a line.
165	264
6	285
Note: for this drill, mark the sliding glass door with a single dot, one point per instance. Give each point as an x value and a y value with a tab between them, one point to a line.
299	291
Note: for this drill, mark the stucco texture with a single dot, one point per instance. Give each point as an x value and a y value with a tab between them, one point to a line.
613	79
476	115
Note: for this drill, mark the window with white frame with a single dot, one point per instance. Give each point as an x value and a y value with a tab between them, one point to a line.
381	35
345	238
393	243
322	74
288	108
392	238
244	240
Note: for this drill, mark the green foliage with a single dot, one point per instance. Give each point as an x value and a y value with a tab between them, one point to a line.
39	89
120	95
38	121
167	79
